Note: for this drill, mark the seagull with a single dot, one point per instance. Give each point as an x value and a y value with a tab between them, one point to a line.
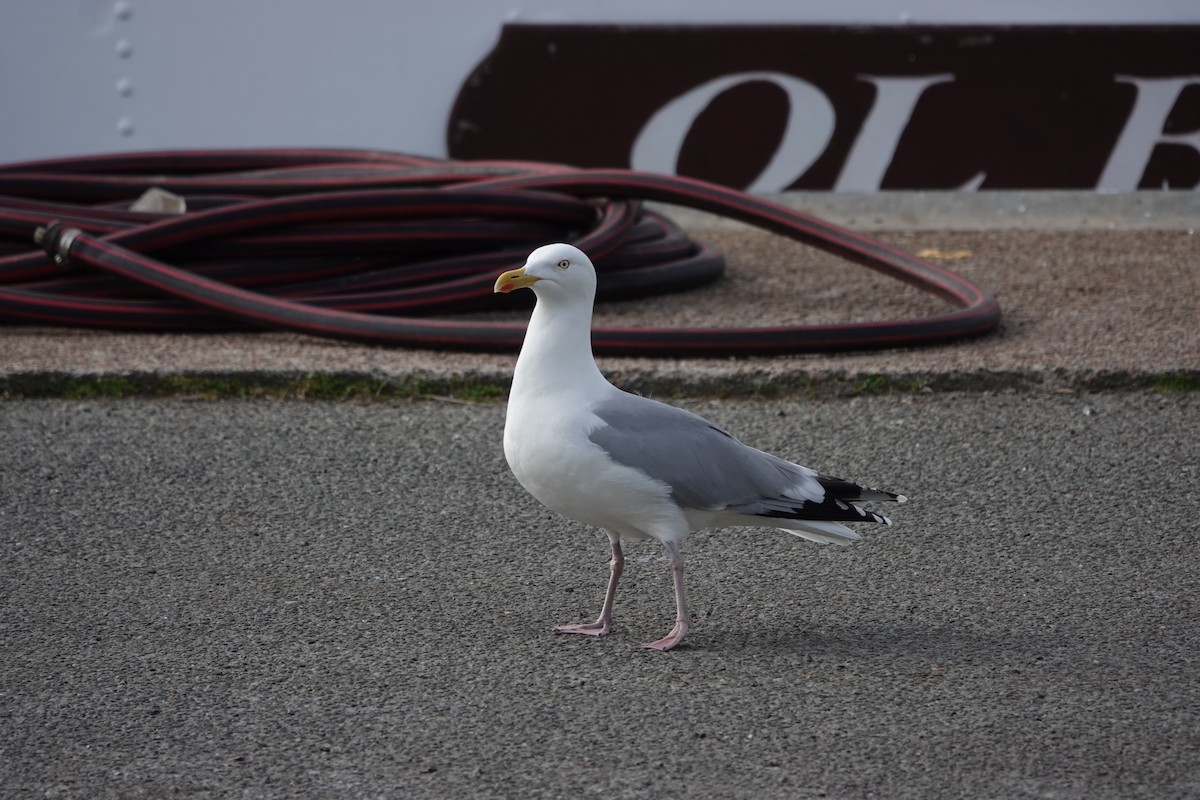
635	467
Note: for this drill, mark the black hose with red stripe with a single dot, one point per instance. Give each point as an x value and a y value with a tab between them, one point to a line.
366	246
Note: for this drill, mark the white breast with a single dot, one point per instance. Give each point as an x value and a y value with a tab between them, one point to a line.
550	454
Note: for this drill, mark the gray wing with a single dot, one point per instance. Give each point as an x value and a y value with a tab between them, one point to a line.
705	466
708	468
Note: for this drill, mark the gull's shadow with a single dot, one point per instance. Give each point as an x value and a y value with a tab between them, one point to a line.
885	642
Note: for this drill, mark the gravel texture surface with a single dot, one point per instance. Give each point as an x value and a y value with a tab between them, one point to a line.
290	599
305	599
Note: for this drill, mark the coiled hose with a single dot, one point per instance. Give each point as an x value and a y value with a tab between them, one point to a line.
366	246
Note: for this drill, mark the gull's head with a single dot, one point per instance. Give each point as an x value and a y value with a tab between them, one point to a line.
554	270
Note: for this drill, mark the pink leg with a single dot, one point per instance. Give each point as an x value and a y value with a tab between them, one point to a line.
682	619
604	622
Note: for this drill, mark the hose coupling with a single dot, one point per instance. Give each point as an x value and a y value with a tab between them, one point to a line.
56	240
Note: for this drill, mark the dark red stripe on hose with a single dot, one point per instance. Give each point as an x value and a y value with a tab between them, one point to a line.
433	245
390	204
759	212
285	314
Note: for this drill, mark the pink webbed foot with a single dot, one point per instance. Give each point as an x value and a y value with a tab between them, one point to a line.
597	628
671	639
682	618
603	623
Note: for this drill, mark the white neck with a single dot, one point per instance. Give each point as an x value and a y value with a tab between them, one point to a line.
557	354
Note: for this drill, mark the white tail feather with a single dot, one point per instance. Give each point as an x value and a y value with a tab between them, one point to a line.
821	532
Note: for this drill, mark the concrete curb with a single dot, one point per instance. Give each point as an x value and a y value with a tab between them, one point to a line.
980	211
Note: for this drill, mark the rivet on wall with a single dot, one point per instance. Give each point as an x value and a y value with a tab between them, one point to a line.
122	11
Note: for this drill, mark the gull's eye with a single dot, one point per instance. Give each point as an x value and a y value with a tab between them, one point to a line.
563	264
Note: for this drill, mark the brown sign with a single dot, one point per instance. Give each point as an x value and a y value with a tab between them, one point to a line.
845	108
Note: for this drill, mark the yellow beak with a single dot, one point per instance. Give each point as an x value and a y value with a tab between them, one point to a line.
514	279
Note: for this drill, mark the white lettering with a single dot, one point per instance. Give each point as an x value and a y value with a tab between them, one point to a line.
809	128
1144	131
877	140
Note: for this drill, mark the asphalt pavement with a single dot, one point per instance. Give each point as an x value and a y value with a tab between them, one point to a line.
287	598
300	599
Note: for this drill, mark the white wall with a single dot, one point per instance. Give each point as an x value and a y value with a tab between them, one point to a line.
89	76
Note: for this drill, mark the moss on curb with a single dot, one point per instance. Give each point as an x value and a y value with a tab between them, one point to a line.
876	384
1177	382
359	387
330	387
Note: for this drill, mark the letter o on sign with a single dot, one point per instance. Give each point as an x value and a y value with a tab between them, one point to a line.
810	126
